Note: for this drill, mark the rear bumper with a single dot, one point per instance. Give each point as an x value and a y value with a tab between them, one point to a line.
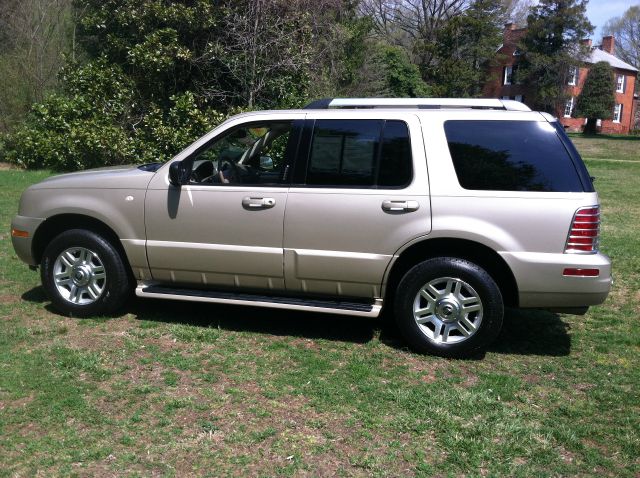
541	282
22	245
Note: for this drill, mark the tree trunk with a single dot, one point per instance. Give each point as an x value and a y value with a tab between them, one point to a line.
590	127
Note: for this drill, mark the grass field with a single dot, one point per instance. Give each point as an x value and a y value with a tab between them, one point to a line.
175	388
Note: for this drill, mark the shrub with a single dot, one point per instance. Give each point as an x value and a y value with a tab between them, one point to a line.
98	121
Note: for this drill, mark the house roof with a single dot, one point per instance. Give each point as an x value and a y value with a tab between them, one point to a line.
600	55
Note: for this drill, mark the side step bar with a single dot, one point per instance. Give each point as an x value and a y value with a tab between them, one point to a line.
361	309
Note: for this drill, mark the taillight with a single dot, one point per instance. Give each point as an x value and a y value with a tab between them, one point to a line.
584	234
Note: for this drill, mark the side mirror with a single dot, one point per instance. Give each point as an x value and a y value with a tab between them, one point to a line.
179	173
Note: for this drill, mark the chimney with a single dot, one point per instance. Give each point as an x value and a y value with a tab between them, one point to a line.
608	44
586	42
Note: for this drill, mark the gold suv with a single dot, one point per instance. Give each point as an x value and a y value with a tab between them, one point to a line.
443	210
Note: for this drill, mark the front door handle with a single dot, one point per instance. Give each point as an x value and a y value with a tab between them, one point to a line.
257	203
400	206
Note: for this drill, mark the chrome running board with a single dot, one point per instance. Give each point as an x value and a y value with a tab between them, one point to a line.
361	309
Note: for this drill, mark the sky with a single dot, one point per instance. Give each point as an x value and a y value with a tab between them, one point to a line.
599	11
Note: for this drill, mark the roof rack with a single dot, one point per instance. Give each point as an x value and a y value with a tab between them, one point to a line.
420	103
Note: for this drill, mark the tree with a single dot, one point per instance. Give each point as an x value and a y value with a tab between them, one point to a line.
95	121
264	50
34	37
464	45
597	98
626	30
449	40
227	53
343	47
157	74
399	77
550	47
517	10
414	24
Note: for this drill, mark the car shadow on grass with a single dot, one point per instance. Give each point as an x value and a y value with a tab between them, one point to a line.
260	320
36	295
525	332
533	332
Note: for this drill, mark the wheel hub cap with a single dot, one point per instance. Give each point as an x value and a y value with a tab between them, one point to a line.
448	310
79	275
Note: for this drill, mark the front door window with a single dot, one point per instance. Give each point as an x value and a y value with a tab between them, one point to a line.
250	154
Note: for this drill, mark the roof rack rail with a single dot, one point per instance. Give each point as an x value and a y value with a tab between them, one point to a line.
420	103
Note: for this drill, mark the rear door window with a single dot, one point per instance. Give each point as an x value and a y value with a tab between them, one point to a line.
510	156
359	153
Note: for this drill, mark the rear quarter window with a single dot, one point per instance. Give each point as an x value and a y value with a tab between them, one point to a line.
510	156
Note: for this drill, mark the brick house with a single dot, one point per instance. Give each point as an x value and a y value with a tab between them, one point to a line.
501	84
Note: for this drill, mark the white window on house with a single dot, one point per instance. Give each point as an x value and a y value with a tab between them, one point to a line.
506	97
519	98
508	75
568	108
573	76
620	83
617	113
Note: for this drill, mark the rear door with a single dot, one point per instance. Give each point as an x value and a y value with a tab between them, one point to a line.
360	192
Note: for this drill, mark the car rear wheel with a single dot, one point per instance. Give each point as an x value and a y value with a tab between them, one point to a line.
83	274
449	307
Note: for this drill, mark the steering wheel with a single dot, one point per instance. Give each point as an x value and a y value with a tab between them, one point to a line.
228	172
203	172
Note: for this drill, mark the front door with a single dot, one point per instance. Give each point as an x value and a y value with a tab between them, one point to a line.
224	228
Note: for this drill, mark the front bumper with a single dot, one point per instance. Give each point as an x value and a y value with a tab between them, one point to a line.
541	283
23	245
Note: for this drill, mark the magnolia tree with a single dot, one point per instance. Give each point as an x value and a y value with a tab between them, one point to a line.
597	98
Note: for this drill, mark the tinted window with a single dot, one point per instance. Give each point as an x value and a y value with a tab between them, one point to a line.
395	158
344	152
510	156
364	153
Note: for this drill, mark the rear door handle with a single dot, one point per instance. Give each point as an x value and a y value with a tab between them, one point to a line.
249	202
399	206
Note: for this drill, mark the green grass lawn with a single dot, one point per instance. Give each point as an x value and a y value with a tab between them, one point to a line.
174	388
611	147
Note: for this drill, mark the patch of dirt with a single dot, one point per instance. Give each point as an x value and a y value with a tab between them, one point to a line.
470	381
583	387
598	446
470	377
429	377
9	298
566	455
17	403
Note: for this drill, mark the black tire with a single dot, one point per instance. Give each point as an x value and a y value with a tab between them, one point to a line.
475	282
115	287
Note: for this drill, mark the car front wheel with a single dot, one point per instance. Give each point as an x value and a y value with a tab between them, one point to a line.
83	274
449	307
